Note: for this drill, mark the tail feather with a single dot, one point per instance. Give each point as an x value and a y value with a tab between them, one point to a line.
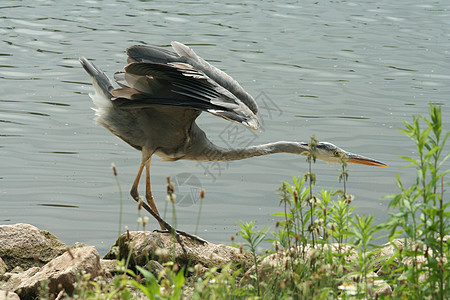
101	82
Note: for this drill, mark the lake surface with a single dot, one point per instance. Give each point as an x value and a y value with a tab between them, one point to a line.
346	71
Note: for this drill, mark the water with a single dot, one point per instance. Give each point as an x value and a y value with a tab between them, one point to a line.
346	71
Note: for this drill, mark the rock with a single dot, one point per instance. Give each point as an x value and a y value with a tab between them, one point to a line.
280	258
376	285
146	245
17	269
14	279
60	273
381	287
155	267
3	267
26	246
6	295
108	266
390	250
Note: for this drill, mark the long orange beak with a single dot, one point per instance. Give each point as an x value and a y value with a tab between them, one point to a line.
362	160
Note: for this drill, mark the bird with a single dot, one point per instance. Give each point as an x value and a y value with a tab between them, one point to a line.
159	96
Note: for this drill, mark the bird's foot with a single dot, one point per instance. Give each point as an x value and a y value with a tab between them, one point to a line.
168	227
183	233
162	223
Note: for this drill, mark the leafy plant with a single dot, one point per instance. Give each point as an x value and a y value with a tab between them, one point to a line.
423	216
253	238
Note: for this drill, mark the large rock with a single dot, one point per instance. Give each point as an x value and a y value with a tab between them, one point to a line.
60	273
145	246
26	246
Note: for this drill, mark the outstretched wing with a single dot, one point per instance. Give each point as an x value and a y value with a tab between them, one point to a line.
160	77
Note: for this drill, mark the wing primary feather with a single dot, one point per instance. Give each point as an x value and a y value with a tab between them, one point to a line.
216	74
198	89
142	53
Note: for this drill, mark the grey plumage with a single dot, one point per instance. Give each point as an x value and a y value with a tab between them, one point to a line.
160	96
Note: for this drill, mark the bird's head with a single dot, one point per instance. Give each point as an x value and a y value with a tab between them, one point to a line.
333	154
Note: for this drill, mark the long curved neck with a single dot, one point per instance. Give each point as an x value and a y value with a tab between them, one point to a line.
200	148
216	153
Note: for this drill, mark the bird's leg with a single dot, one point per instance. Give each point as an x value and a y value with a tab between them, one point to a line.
148	191
165	227
134	189
152	208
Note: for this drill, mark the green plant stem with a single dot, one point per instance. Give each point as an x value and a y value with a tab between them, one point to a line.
253	238
344	178
120	196
441	240
311	205
174	215
287	225
199	214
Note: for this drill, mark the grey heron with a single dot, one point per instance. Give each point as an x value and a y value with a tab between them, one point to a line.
160	96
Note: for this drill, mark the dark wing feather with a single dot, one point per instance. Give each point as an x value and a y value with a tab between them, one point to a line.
141	53
220	77
184	54
179	84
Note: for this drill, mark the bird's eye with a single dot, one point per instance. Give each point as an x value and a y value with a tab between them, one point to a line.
337	154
